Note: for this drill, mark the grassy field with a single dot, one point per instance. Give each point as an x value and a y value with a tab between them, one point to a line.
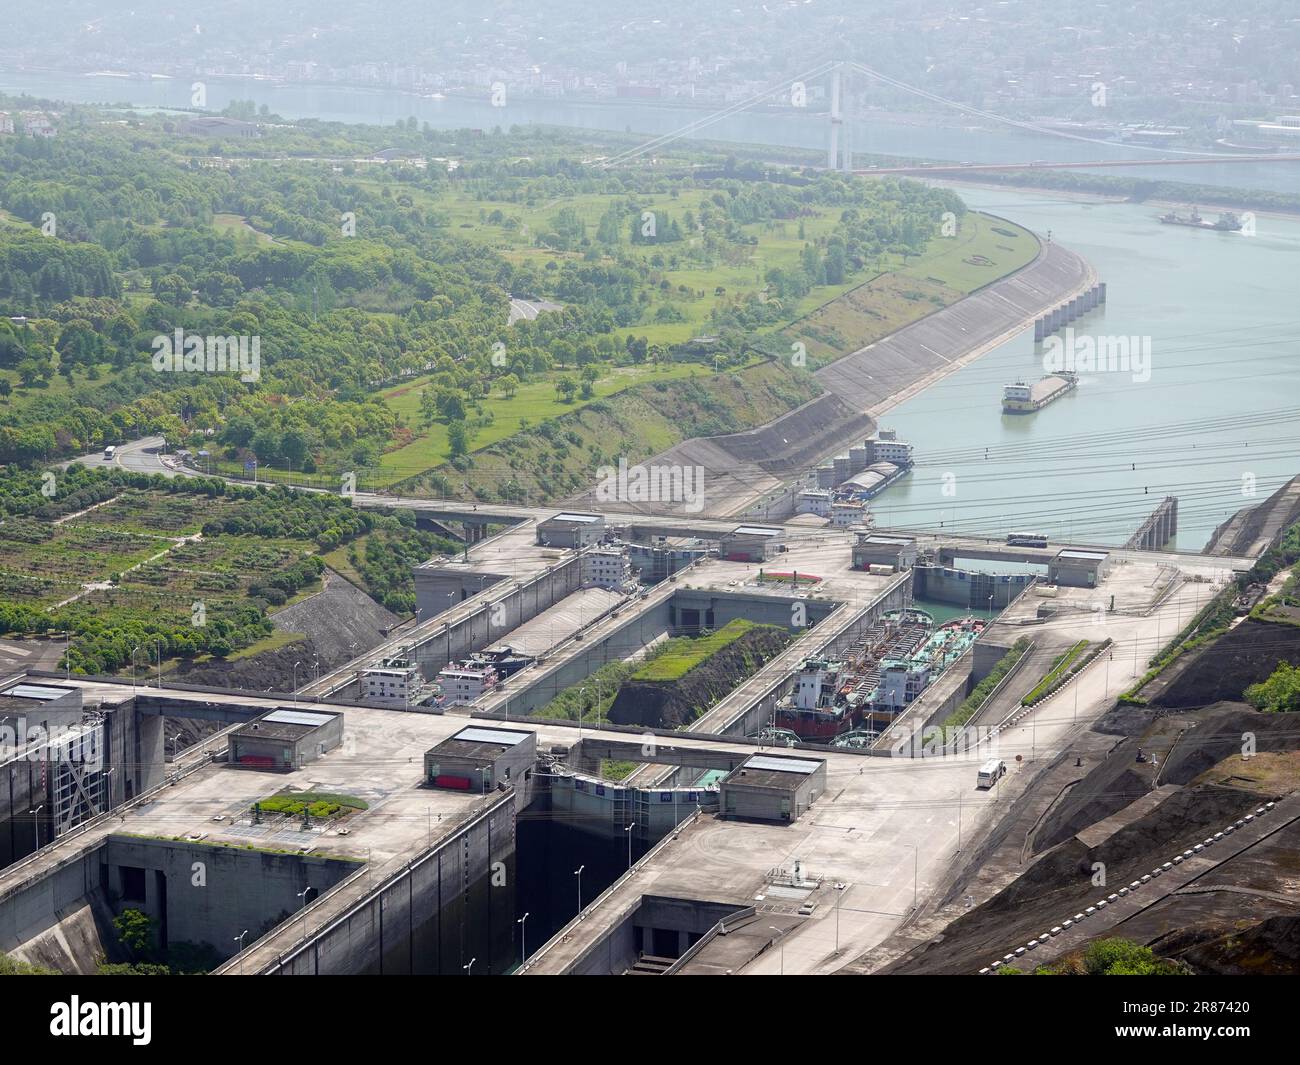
983	250
238	225
779	244
685	653
535	402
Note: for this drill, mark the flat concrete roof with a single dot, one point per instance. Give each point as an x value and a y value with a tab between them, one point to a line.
313	718
40	693
581	519
756	530
1082	556
284	724
502	737
802	766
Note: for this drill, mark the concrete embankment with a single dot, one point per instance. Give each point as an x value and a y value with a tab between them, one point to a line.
741	468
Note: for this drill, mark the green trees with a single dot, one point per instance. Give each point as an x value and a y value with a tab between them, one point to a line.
1122	957
1280	693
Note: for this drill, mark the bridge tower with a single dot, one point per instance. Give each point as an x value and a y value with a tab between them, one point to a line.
839	153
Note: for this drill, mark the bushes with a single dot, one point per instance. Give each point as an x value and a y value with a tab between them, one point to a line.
1280	693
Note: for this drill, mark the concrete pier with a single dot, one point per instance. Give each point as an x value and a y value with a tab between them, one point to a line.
1160	527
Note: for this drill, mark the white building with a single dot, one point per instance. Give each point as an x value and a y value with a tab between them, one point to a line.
890	450
814	501
393	682
37	125
846	515
464	684
608	566
6	122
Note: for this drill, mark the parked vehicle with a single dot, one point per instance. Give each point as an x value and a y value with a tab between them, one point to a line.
990	773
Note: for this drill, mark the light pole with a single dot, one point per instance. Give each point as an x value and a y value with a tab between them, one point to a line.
158	645
240	940
840	889
303	895
780	935
578	873
628	831
523	943
451	601
295	680
36	824
469	969
133	652
916	864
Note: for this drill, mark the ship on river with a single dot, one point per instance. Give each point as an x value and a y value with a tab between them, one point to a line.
1021	398
1227	222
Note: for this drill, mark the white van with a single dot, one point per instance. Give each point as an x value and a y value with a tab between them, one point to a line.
990	773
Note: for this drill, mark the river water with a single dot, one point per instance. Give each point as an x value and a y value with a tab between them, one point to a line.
1220	312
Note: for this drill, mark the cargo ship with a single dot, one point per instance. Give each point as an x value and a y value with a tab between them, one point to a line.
1021	398
1227	222
884	671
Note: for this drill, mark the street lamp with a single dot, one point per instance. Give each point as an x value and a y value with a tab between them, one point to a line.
523	946
628	830
240	940
578	873
303	895
133	652
36	823
780	935
295	680
469	969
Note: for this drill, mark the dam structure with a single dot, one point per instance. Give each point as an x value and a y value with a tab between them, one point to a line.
437	831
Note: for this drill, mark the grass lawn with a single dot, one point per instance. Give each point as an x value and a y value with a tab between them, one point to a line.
536	401
238	225
685	653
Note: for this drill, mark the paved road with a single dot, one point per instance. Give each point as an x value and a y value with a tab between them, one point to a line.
144	456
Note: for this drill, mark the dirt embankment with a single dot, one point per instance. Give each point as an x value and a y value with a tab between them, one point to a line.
1225	668
1204	784
1270	948
674	703
1061	881
335	626
1251	530
1183	745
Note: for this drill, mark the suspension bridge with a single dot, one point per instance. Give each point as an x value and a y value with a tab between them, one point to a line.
839	78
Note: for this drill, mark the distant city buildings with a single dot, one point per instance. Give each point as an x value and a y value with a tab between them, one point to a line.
28	123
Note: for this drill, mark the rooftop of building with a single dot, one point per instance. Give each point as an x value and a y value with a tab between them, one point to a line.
286	723
572	517
481	743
